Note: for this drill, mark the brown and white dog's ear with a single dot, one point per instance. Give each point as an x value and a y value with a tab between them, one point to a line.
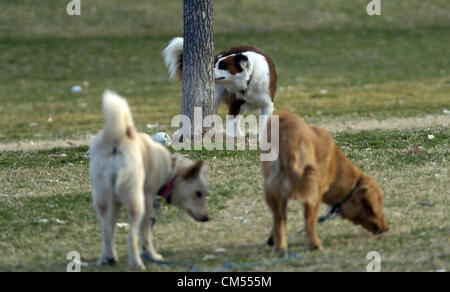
194	170
242	61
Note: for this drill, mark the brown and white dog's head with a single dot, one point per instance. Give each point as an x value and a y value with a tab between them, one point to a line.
191	190
365	206
233	70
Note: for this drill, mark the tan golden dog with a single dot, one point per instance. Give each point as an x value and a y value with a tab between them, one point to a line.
310	167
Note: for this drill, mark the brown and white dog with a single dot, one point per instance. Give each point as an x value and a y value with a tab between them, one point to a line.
245	77
128	169
310	167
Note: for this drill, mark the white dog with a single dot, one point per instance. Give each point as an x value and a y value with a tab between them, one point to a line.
245	78
128	169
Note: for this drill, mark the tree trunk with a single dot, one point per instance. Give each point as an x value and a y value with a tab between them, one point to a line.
198	60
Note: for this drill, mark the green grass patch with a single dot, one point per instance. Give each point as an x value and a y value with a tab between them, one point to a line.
416	207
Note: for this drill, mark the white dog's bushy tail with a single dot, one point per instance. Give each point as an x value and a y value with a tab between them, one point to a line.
118	120
173	57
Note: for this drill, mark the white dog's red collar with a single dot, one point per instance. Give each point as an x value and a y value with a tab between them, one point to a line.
166	190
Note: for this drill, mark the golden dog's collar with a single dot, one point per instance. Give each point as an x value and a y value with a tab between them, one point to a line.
336	210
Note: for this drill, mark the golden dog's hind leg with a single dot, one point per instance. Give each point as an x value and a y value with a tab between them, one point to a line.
312	198
278	205
312	205
311	216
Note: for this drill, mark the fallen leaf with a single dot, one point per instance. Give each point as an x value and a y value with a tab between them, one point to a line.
415	151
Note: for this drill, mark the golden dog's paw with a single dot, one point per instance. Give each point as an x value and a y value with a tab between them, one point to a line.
281	247
315	246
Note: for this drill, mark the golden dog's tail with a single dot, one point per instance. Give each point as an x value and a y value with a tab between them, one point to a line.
295	153
118	120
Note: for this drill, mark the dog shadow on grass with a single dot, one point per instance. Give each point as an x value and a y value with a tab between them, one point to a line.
247	256
230	256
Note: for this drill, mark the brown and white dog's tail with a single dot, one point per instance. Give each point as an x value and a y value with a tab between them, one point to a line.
173	57
118	120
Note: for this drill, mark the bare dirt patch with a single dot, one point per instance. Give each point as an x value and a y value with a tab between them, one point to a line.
333	126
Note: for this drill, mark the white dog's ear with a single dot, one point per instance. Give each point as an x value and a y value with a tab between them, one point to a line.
242	60
174	157
194	170
205	169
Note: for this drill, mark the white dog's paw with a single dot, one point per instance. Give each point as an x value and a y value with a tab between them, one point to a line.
157	257
152	256
104	261
137	265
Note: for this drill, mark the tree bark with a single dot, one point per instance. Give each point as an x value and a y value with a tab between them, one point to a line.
198	59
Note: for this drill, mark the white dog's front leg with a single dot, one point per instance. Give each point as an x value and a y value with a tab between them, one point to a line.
233	129
265	113
146	233
220	94
233	124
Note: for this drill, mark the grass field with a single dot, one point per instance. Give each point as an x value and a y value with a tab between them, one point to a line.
381	84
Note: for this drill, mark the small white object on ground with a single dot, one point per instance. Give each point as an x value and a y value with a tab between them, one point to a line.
323	91
431	137
220	250
81	263
151	126
55	156
60	221
42	221
76	88
208	257
122	225
162	138
447	112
